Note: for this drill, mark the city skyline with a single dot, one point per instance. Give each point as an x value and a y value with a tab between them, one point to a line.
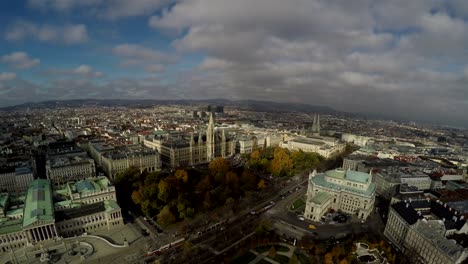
405	60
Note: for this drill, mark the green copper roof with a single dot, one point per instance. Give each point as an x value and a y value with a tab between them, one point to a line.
320	180
84	186
3	200
339	174
111	205
11	226
357	176
320	198
38	204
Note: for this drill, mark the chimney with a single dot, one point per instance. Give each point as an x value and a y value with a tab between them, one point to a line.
462	217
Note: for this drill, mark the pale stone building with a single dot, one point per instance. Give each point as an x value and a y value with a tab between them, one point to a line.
420	228
194	148
15	179
348	191
84	207
62	169
121	158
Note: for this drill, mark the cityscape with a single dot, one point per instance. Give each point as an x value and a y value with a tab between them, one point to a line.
197	183
233	132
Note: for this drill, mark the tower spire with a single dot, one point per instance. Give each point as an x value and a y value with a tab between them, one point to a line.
210	143
318	125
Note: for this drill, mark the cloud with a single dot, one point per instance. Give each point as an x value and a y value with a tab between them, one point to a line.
360	56
154	68
81	71
69	34
7	76
20	60
107	9
137	55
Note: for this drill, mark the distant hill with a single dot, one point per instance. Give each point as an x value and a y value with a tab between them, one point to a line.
255	105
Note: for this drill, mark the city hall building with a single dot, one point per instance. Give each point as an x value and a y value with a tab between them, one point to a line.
351	192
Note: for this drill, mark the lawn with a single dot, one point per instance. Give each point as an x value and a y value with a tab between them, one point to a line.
244	259
299	203
282	259
303	259
266	248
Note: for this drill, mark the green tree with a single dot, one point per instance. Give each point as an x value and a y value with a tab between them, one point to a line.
164	190
207	203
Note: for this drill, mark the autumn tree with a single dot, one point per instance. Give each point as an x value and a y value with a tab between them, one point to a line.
181	175
261	184
232	179
219	166
248	180
272	252
281	164
136	197
329	258
165	216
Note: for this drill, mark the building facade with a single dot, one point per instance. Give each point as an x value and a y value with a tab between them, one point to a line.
62	169
420	229
87	206
194	148
121	158
15	179
348	191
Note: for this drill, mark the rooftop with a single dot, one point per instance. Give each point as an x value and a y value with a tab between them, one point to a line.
38	204
321	181
435	232
349	175
10	226
320	198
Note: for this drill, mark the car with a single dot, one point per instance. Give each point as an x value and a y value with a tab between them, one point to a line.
312	227
301	218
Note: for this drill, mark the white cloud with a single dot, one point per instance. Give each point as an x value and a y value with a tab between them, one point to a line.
86	70
81	71
20	60
154	68
137	55
69	34
339	53
7	76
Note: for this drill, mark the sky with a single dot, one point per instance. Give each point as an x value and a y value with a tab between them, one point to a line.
403	59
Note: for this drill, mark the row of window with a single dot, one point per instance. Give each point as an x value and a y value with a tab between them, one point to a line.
6	248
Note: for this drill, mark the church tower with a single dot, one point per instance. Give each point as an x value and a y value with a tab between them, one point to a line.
210	142
317	129
192	143
223	144
314	124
